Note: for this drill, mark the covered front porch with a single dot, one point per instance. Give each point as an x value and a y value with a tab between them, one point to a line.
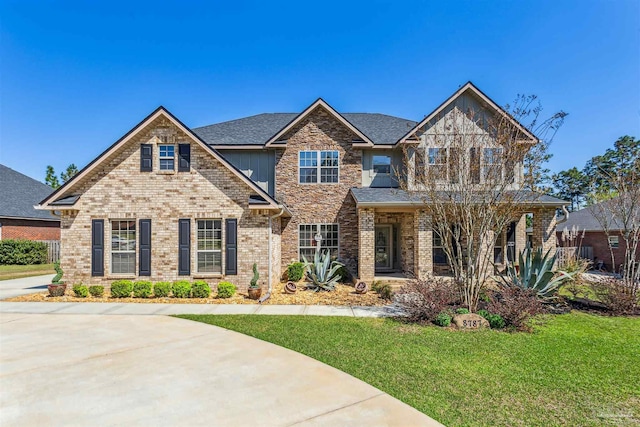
398	242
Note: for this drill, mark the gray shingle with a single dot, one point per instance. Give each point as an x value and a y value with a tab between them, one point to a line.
584	219
19	193
256	130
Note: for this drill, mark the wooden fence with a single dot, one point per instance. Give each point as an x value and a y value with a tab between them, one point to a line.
570	252
53	250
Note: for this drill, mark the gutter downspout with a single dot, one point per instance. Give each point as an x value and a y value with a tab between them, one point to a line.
566	215
268	294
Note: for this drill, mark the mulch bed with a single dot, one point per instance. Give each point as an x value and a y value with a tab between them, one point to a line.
342	295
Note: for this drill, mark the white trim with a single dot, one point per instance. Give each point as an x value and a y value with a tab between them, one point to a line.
318	167
213	251
318	224
318	103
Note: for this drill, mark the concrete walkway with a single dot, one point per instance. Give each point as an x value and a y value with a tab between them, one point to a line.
23	286
72	369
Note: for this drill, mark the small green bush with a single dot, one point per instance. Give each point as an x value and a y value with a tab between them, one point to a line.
200	289
385	291
496	321
443	319
462	310
22	252
484	313
96	291
81	291
344	274
142	289
161	289
181	289
295	271
121	288
226	290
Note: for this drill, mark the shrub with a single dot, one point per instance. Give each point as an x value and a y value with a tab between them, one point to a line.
495	321
81	291
181	289
121	288
200	289
423	300
383	289
443	319
161	289
142	289
295	271
516	305
22	252
96	291
345	275
619	297
57	279
226	290
462	311
484	313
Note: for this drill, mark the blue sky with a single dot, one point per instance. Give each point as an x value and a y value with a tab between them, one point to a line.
76	76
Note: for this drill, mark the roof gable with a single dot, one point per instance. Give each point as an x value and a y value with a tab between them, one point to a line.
468	88
19	193
319	103
64	191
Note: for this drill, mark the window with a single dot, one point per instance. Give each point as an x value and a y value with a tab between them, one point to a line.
167	157
498	250
438	163
123	247
209	246
492	164
382	165
614	241
308	242
318	167
439	255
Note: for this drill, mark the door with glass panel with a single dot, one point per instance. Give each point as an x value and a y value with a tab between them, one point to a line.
383	247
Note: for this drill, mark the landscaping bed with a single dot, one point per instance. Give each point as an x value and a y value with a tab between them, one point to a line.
342	295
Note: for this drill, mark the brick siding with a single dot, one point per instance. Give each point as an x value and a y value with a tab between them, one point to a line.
30	230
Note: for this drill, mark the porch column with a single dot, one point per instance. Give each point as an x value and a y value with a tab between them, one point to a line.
422	245
521	235
486	251
366	245
544	229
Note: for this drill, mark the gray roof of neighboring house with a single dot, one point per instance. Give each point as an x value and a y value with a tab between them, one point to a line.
19	193
393	196
584	219
256	130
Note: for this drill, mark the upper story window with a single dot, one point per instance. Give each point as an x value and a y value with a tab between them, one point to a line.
167	157
438	163
492	164
382	165
318	167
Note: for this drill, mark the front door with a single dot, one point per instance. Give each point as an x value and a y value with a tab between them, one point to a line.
384	249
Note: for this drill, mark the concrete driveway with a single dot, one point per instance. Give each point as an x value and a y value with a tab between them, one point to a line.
65	369
25	285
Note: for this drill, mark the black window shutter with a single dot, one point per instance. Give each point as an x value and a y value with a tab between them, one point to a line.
184	161
146	157
184	247
474	165
97	247
231	246
145	248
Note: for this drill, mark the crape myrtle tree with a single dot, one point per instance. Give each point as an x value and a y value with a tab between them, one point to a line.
475	172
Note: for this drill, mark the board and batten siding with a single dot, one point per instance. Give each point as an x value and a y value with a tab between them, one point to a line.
259	165
371	179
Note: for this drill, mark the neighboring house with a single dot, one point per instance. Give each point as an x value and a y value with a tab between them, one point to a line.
168	202
595	242
18	217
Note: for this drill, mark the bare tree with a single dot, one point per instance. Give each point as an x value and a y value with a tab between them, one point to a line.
469	169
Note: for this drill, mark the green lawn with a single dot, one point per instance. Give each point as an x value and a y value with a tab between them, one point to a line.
16	271
576	369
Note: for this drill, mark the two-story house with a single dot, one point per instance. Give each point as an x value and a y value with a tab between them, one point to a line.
167	202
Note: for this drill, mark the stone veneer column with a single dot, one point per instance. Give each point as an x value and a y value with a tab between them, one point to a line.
544	229
423	245
366	245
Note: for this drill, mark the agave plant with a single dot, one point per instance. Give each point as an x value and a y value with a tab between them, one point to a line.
322	273
536	273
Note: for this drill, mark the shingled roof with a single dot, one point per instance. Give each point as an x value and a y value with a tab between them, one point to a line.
18	195
584	219
256	130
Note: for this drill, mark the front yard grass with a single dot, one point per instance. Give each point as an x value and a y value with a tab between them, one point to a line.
17	271
575	369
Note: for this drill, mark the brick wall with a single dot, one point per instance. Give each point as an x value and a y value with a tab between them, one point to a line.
319	203
599	242
118	190
30	230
